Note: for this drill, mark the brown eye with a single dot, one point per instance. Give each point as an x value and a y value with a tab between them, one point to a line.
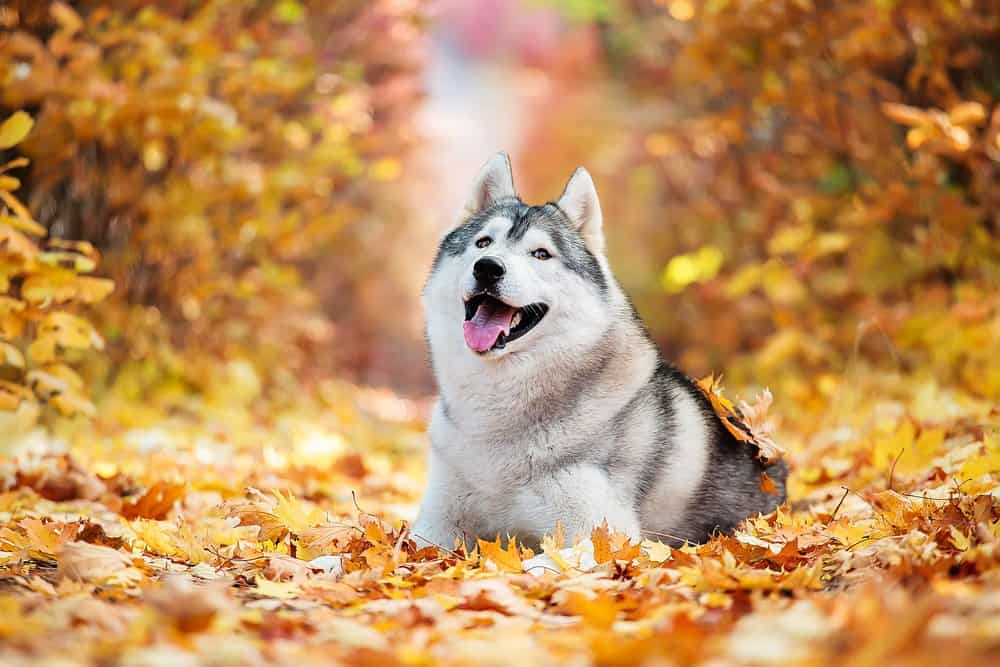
541	253
483	242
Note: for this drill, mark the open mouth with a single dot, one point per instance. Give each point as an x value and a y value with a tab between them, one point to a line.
490	323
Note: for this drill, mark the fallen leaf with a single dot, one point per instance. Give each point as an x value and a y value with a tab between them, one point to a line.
90	562
506	560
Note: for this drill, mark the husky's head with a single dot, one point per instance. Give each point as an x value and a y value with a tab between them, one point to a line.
513	280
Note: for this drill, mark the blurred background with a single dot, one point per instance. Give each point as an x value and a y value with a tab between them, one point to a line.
242	199
216	219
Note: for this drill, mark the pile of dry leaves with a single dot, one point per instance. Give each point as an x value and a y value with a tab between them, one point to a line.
187	541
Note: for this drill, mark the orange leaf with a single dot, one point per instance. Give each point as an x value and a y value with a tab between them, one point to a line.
507	560
767	484
156	503
601	537
271	527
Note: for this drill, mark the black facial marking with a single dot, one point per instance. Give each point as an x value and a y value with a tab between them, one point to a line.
570	247
526	217
455	243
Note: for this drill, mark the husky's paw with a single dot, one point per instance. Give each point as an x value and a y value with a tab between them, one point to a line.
329	564
577	557
541	564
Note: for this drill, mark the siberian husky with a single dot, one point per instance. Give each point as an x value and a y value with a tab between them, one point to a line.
555	407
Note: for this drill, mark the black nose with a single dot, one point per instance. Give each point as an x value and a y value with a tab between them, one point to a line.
488	270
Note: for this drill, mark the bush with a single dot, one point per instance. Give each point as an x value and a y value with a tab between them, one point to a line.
812	178
217	153
39	286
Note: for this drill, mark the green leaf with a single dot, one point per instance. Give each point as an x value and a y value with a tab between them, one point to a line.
838	180
288	11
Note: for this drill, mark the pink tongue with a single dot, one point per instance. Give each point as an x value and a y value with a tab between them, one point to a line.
491	318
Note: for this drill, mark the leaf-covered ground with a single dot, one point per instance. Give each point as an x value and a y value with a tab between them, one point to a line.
145	539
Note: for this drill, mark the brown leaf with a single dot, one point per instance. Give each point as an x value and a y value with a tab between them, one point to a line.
155	503
271	527
188	606
351	465
767	484
89	562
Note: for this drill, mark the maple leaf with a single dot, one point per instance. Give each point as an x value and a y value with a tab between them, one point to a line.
285	568
596	610
601	538
749	423
188	607
46	538
155	503
328	538
767	484
158	536
657	552
270	527
623	548
295	514
282	590
552	549
90	562
506	560
760	427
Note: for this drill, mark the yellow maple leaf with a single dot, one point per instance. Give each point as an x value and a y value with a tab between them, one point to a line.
46	538
296	515
987	463
159	537
552	547
959	539
506	560
281	590
656	552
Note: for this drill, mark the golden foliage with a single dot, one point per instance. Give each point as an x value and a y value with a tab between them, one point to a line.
814	182
810	180
216	153
215	563
38	283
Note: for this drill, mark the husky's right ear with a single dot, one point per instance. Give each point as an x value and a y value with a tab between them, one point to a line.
580	204
494	182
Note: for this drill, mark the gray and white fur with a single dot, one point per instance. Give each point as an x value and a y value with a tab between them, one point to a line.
577	420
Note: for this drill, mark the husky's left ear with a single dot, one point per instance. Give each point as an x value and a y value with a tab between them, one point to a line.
494	182
580	203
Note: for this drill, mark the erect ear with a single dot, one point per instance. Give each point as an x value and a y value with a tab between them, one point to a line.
579	201
494	182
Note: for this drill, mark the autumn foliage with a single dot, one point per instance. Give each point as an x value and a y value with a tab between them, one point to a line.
216	153
821	177
40	284
801	194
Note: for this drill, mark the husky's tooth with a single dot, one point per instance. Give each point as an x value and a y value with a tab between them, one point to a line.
514	321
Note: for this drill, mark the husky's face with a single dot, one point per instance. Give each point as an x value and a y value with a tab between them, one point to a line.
513	279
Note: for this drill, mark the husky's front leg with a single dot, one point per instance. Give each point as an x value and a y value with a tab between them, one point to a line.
579	499
589	499
437	520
